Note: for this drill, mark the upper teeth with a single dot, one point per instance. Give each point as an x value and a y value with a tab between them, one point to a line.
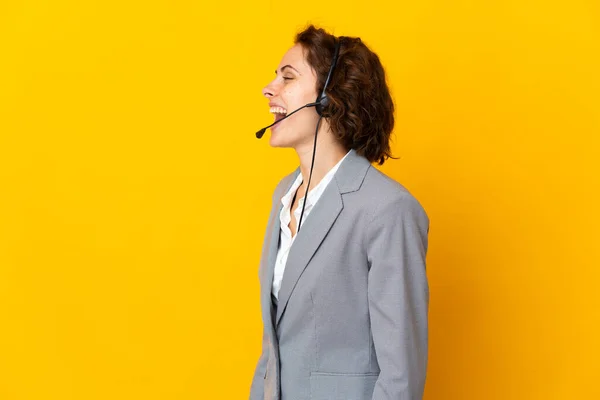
278	110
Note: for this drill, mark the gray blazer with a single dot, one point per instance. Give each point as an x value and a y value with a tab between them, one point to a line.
351	320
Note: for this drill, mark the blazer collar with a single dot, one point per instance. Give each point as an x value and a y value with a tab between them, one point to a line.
352	172
349	177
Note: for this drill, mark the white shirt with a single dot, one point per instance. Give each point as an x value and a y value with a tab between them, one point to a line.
285	235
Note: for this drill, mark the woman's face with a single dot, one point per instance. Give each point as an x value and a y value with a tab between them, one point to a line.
294	86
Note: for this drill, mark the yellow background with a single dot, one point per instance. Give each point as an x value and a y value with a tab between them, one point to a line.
134	195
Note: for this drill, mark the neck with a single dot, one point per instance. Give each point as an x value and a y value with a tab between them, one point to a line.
329	153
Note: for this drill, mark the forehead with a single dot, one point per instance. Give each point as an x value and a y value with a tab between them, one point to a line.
295	57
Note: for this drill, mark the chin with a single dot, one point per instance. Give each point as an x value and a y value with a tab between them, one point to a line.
279	139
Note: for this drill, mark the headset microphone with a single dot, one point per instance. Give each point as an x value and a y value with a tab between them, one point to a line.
260	133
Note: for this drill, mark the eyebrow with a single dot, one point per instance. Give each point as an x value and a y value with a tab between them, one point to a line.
288	66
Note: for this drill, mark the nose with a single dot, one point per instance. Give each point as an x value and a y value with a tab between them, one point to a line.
269	90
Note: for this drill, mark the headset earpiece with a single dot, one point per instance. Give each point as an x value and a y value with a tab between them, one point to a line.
323	102
322	99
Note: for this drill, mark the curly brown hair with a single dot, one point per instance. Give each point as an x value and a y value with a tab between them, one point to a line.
361	109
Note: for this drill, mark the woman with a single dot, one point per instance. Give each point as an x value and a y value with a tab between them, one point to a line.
344	293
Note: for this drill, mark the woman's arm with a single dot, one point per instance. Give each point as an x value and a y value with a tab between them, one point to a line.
398	295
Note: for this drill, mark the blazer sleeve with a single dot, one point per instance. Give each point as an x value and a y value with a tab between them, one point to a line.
398	295
258	382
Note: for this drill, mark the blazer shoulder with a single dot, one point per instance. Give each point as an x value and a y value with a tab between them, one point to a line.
387	194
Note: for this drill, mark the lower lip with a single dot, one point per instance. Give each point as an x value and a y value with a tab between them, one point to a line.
276	125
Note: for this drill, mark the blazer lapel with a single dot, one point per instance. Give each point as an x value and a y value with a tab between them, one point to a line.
272	245
312	233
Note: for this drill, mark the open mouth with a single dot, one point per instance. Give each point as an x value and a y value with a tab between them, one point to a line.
279	113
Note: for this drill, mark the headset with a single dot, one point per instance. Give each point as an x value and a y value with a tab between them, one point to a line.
320	103
322	100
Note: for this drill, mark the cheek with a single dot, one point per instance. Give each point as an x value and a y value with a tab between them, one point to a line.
295	96
291	98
